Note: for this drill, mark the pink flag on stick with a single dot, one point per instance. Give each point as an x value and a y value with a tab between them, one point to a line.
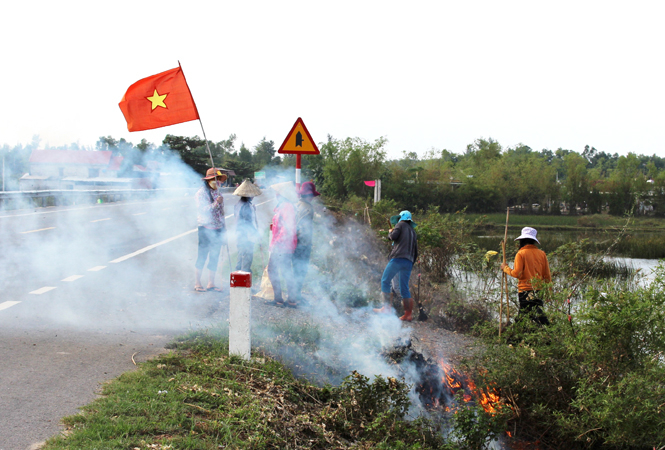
370	183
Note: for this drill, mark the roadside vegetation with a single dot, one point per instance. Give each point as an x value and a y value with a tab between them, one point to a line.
199	397
593	379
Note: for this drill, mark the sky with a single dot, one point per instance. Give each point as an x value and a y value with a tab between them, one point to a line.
423	74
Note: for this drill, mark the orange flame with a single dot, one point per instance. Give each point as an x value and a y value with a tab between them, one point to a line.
453	381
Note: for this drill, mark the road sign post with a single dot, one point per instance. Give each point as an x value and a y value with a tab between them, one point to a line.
299	142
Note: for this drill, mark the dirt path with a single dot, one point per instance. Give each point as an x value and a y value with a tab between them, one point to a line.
351	327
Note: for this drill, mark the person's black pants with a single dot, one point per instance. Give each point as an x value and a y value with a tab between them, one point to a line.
531	306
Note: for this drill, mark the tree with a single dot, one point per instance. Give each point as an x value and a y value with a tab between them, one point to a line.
244	154
484	152
106	143
627	184
576	184
192	151
264	152
348	163
145	146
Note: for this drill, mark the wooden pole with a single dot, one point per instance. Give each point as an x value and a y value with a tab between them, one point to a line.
212	164
507	299
505	276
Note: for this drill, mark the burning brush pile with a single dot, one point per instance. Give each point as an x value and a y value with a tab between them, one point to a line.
449	395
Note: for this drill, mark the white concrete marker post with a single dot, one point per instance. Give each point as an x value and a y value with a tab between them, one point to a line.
377	191
240	315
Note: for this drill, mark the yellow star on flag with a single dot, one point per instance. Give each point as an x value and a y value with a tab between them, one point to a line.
157	100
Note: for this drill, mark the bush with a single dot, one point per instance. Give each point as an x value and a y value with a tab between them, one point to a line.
440	239
386	207
596	382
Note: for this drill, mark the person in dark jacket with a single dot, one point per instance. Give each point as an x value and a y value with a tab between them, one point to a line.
394	283
402	257
304	230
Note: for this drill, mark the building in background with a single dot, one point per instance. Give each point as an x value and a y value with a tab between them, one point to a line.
83	170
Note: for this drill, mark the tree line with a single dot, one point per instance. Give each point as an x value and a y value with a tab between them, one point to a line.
484	178
489	178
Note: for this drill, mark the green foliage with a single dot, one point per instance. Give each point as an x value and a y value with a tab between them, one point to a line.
379	403
473	428
264	152
192	151
386	208
457	313
440	238
200	397
597	381
348	163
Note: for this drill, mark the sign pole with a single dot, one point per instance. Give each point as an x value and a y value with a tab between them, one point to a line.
298	167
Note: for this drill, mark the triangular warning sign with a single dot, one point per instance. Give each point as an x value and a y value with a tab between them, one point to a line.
299	141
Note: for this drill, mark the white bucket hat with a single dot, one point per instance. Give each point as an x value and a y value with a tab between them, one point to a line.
528	233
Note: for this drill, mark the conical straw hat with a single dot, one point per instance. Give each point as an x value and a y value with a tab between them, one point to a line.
247	189
287	190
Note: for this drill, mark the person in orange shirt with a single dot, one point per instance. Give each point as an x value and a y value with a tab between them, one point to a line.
532	271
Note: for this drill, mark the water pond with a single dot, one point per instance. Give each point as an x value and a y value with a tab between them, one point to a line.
634	245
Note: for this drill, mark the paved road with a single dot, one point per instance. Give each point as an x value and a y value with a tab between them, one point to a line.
83	289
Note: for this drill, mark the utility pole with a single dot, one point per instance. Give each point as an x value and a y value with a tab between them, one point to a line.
3	172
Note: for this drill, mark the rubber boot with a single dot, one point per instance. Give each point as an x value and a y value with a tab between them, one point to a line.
387	305
408	310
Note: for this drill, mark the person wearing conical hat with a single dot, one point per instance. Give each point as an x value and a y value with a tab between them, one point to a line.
211	227
283	243
247	226
532	271
304	232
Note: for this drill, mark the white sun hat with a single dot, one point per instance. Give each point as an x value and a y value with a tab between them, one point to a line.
528	233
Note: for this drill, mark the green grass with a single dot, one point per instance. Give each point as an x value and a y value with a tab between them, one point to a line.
200	397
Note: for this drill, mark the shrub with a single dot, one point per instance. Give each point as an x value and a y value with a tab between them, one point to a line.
440	239
594	382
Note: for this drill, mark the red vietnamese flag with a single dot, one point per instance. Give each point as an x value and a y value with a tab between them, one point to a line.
158	101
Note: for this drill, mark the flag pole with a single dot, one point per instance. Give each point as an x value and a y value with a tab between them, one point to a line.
212	164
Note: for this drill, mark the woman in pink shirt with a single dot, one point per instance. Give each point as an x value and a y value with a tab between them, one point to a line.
283	243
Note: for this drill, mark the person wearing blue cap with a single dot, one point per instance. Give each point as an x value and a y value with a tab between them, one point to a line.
402	257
